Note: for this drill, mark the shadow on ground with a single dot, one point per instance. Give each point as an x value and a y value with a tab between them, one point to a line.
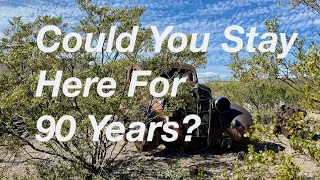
176	154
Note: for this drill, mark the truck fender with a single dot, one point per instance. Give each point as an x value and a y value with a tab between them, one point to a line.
237	120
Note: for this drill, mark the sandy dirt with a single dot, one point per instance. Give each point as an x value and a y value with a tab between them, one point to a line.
168	164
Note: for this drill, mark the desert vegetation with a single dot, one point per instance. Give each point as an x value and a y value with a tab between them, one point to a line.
260	83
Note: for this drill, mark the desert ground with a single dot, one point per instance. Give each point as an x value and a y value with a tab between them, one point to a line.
170	164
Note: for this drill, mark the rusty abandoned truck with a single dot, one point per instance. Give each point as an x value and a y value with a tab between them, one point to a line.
222	123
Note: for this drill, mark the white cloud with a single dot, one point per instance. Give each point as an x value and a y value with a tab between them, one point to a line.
214	72
186	16
29	10
207	74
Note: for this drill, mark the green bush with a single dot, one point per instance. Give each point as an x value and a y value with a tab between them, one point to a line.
261	98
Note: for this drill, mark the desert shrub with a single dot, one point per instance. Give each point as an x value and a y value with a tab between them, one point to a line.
300	70
304	136
259	132
261	82
264	164
57	170
23	61
261	98
267	164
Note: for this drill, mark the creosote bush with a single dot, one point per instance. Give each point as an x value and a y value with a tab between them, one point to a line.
23	61
261	98
261	81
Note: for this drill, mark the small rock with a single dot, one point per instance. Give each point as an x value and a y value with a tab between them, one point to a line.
25	134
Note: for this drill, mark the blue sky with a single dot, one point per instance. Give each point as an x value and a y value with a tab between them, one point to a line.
188	16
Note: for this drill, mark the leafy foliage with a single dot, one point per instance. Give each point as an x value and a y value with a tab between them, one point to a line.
293	79
23	61
261	98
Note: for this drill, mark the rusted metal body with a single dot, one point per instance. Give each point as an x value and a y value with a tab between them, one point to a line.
300	125
223	123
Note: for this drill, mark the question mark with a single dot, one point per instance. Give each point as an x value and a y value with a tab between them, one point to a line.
193	127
